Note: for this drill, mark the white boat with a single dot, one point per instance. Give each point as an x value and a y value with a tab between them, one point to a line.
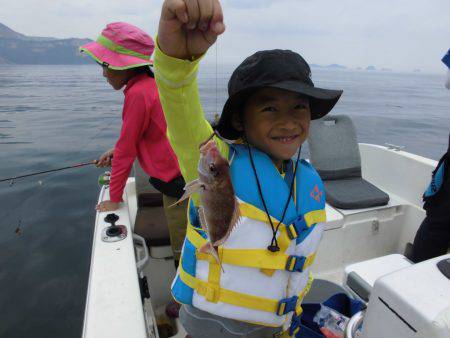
361	249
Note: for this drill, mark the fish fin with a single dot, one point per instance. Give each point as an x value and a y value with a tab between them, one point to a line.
209	249
236	215
208	246
202	219
189	189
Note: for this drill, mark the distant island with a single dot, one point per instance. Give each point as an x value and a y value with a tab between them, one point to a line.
332	66
17	48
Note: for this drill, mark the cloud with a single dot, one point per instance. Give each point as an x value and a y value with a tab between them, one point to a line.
401	34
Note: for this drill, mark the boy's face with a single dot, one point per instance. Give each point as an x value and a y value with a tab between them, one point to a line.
277	121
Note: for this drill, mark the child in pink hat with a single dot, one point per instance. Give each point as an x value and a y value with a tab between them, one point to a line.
124	52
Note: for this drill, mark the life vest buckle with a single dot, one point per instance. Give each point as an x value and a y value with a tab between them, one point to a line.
295	228
294	328
287	305
295	263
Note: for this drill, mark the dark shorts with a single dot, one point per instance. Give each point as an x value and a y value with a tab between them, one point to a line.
432	239
201	324
174	188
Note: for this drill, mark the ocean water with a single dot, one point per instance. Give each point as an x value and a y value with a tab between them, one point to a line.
53	116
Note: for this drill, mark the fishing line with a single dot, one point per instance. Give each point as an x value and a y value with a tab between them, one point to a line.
51	172
217	105
12	179
78	165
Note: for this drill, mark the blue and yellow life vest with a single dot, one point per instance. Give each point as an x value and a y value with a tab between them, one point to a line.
258	286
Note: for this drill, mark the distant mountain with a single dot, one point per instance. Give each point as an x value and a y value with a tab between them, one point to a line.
371	68
17	48
336	66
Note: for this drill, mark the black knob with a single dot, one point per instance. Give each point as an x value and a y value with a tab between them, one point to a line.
113	230
111	218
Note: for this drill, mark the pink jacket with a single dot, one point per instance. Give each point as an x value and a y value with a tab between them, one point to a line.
143	135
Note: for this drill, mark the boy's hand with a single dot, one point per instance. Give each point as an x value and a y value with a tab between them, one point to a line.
107	206
105	159
187	28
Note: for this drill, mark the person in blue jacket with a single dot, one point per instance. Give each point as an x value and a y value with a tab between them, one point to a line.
433	237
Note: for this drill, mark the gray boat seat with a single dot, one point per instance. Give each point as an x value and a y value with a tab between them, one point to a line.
334	152
150	219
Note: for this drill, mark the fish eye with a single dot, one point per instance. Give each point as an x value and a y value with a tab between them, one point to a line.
213	170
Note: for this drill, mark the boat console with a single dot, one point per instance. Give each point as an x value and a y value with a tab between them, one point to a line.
411	300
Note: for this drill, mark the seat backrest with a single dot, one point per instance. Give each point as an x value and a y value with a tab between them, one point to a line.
333	147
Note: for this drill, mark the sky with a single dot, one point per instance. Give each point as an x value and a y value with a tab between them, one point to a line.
402	35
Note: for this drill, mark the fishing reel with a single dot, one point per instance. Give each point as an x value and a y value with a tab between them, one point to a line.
104	179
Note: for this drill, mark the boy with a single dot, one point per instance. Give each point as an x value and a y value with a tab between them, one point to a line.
271	102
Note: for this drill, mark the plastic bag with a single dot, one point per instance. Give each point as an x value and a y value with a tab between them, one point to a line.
331	323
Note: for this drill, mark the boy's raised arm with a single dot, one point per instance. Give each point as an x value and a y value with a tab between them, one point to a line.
186	30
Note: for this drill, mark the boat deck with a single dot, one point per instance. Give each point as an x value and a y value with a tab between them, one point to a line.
114	307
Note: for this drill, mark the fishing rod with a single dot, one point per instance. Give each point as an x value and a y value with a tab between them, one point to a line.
12	179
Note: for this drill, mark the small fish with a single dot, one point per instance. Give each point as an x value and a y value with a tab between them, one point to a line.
219	210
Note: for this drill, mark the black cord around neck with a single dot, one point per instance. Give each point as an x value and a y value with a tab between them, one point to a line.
273	247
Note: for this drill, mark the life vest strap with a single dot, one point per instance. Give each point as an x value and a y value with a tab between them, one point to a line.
310	218
287	232
294	229
294	328
299	263
250	211
262	259
255	258
214	293
315	216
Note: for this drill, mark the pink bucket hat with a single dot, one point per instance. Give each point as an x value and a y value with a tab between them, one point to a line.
121	46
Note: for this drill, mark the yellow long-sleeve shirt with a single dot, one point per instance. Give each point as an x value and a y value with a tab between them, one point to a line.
187	127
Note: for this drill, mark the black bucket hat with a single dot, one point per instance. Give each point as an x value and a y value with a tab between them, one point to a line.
283	69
